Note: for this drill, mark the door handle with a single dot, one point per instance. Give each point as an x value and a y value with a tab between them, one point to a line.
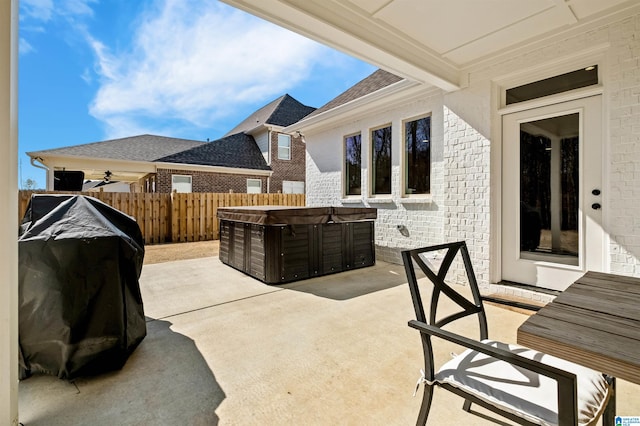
596	206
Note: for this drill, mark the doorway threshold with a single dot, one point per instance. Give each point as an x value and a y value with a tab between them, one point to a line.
521	297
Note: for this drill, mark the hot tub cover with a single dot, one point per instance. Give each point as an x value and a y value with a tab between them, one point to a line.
287	215
80	307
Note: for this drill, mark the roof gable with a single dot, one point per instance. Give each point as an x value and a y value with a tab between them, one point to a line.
283	111
379	79
236	151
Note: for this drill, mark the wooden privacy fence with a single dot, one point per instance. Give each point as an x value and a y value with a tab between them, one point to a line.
177	217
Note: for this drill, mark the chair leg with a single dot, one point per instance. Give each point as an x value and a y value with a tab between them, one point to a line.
467	406
427	397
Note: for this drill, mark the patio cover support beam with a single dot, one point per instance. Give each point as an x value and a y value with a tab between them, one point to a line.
9	212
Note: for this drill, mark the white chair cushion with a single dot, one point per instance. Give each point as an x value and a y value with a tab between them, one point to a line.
522	392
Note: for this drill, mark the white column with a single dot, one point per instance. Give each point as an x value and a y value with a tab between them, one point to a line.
9	212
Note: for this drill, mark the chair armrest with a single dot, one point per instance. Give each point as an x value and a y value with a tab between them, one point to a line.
567	382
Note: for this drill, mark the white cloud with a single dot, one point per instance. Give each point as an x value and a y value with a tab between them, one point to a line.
40	10
196	62
45	10
24	47
36	15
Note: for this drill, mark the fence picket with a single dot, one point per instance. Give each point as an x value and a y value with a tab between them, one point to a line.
175	217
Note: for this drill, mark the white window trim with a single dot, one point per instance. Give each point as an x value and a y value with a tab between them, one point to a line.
186	176
370	171
254	180
345	196
292	182
417	198
287	147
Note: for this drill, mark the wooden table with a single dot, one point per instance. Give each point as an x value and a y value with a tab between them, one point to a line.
595	322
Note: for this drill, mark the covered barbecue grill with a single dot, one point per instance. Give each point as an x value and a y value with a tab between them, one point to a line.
80	307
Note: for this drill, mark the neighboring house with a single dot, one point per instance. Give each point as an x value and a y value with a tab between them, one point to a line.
255	157
515	128
283	152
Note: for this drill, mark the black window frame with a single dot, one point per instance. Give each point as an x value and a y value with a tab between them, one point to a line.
355	165
381	166
417	161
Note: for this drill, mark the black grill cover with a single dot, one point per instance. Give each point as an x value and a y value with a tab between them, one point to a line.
80	307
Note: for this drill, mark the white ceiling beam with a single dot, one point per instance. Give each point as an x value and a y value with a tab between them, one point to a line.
343	29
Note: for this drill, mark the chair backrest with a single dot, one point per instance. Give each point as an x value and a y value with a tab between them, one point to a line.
427	259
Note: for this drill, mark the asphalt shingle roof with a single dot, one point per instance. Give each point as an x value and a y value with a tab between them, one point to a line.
281	112
237	151
374	82
136	148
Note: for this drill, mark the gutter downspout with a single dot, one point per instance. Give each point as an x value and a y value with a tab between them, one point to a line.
43	167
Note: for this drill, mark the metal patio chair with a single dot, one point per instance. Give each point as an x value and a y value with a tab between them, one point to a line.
523	385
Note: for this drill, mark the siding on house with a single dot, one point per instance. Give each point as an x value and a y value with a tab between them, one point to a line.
262	140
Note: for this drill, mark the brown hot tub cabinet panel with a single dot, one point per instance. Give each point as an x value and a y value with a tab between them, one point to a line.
316	241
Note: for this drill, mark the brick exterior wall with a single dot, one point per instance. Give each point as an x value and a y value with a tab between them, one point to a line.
624	152
421	217
208	182
293	169
463	124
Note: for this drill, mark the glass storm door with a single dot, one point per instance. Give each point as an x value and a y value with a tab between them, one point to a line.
552	193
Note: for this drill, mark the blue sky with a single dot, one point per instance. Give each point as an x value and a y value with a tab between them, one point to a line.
92	70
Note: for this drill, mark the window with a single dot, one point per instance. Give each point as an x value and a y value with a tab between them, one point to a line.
284	147
381	160
417	156
292	187
180	183
550	86
254	186
352	164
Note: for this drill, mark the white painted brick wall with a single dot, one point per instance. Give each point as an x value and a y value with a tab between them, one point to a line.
423	221
461	143
623	86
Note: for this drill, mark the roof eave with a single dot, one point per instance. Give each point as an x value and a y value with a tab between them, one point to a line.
213	169
400	90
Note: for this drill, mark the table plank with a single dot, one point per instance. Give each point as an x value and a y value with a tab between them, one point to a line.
613	324
603	301
602	363
608	277
613	292
595	322
602	280
596	341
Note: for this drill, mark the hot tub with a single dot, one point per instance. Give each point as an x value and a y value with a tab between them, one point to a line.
279	244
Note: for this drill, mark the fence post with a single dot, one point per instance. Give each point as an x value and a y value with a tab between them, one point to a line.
175	217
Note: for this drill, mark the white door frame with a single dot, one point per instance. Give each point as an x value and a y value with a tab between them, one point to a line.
544	272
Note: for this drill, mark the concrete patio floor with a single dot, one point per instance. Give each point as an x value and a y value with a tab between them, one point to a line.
225	349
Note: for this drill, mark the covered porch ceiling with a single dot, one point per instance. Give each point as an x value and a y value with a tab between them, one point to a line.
432	41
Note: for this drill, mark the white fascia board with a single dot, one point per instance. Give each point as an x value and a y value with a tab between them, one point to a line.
79	163
264	128
143	167
213	169
387	51
396	94
258	129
